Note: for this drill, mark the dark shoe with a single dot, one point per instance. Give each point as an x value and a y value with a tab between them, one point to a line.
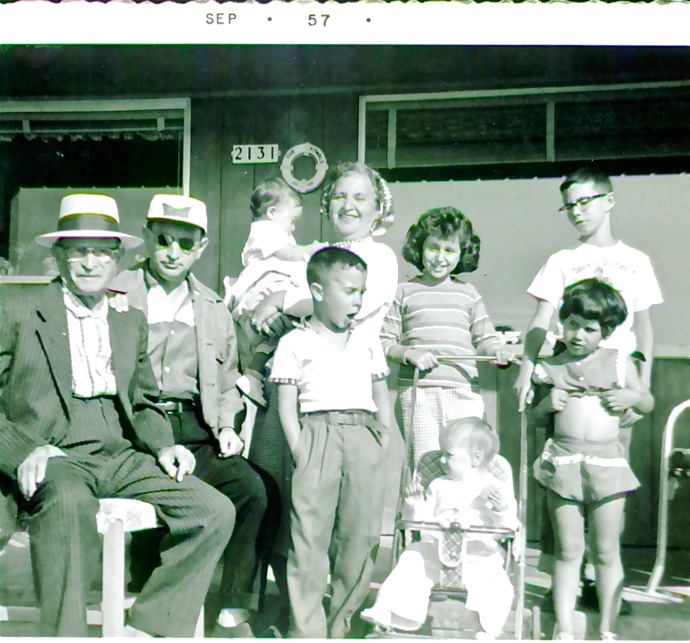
589	600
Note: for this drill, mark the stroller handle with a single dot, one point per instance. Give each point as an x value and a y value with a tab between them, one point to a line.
498	532
450	359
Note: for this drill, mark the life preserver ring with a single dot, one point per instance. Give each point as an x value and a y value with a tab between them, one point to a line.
321	167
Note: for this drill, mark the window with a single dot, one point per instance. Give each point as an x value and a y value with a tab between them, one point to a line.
102	144
530	127
128	143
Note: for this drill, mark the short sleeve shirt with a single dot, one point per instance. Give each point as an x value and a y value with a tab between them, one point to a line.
329	378
172	340
265	239
628	270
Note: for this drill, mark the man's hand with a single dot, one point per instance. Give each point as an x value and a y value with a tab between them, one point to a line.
620	399
32	471
421	359
229	442
177	461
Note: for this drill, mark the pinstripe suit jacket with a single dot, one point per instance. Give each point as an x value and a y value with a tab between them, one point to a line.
36	377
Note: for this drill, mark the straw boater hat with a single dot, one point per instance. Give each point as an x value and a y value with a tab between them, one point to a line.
178	209
92	216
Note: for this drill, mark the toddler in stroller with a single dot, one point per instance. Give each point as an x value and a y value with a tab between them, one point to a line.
457	506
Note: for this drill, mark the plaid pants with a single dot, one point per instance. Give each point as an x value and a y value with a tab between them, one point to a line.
435	406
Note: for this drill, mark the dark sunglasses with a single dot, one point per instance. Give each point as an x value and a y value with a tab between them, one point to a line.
186	244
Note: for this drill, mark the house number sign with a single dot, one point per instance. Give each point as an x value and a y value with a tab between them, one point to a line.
244	154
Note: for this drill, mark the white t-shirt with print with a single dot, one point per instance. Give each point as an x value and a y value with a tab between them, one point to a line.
628	270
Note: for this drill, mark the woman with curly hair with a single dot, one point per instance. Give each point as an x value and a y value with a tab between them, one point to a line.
438	315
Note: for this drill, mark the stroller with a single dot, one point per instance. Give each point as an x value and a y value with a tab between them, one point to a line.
448	617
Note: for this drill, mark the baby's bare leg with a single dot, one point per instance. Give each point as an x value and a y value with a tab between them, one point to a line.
567	517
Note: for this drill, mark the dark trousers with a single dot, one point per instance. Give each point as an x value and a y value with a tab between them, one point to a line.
65	543
236	480
270	454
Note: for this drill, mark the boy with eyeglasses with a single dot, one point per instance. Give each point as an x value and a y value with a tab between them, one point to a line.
587	202
193	352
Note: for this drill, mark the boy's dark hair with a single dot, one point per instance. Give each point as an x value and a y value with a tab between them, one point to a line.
588	174
324	260
596	300
269	193
444	223
473	433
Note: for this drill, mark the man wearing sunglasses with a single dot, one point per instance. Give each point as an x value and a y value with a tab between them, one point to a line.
193	352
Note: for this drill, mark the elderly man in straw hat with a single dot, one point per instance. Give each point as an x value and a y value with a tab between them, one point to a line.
193	352
77	424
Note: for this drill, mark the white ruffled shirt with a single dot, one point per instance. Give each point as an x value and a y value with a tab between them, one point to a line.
90	352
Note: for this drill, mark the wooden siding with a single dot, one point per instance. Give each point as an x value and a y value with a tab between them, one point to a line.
329	122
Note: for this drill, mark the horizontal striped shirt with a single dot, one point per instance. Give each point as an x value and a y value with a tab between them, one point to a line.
449	319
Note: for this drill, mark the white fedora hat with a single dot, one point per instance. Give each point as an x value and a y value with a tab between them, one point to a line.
178	209
93	216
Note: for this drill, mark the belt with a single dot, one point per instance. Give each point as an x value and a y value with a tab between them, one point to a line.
175	407
343	417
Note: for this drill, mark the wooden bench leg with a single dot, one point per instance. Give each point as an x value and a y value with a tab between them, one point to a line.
113	599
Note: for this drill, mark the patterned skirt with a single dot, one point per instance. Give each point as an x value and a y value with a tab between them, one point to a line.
584	471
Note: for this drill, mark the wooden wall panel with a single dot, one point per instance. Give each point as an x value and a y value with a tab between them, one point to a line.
218	124
239	123
205	183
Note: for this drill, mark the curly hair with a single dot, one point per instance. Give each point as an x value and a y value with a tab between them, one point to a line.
270	193
444	223
384	199
595	300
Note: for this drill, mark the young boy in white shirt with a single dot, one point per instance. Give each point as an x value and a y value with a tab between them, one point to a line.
334	409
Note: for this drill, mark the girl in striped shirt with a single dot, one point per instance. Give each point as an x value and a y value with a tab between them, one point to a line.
437	315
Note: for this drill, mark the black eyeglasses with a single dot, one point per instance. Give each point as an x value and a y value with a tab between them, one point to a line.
581	203
186	244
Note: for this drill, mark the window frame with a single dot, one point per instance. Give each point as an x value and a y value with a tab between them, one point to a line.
119	109
548	96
